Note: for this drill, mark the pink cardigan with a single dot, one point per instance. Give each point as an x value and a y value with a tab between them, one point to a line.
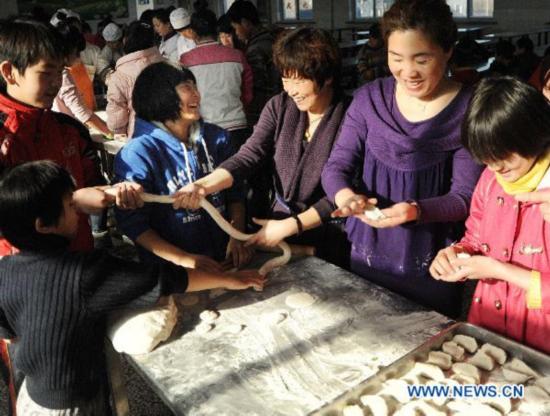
512	232
120	113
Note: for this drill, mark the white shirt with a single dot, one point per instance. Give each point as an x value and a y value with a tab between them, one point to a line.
184	45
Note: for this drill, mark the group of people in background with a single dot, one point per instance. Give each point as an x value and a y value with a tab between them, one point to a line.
257	123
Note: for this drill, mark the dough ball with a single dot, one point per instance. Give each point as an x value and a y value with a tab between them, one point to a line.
209	316
299	300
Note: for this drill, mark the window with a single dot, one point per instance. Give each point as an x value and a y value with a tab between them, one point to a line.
371	9
367	9
296	9
471	8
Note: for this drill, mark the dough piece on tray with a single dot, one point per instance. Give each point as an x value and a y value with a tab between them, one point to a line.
497	353
441	359
502	404
468	370
517	365
353	410
544	383
416	407
430	371
515	376
482	360
454	350
535	394
478	409
464	379
397	389
469	343
411	377
440	400
376	404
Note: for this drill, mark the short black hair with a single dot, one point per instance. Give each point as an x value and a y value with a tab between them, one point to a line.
155	97
24	42
73	39
139	36
310	53
506	116
31	191
162	15
203	23
224	24
431	17
243	9
525	43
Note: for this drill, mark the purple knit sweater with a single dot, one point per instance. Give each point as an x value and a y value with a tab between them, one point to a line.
402	160
277	140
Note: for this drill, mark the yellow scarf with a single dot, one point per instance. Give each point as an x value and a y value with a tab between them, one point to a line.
529	181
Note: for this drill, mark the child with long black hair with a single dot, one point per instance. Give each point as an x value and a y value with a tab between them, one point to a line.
507	127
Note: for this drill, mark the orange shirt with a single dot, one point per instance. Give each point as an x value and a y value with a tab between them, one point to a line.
83	84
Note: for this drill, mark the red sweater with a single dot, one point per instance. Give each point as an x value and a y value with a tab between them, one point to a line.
29	134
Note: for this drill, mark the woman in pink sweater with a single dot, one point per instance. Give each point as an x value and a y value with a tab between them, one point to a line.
140	52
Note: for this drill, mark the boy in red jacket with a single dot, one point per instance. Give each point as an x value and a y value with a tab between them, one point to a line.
31	63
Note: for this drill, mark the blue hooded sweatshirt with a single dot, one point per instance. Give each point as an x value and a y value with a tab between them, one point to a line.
162	164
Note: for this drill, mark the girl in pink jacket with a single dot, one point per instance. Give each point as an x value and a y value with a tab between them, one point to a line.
506	246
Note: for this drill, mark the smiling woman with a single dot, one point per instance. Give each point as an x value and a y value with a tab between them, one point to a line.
403	132
294	136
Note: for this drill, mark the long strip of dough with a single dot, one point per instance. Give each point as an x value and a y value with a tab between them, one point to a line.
228	228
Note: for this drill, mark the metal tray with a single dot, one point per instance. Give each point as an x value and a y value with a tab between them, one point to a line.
539	361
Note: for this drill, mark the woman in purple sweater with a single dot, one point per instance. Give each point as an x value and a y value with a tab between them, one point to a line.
293	139
403	132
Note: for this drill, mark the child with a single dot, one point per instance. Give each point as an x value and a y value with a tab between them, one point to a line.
60	342
31	65
507	127
172	147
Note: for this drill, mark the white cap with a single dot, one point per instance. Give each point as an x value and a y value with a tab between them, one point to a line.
180	18
55	20
112	32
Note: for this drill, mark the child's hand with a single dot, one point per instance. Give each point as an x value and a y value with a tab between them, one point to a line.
197	261
475	268
443	266
127	195
90	200
189	197
243	279
239	254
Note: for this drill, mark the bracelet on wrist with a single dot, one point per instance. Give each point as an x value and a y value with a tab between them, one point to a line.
298	223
